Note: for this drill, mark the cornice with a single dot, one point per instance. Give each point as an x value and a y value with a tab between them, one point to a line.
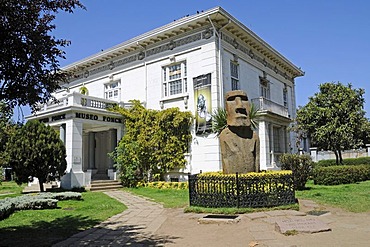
169	36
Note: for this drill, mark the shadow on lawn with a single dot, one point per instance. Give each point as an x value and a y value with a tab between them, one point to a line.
42	233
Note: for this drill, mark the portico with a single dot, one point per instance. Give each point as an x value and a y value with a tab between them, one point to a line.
90	133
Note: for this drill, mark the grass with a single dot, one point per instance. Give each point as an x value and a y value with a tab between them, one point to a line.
169	198
351	197
193	209
47	227
10	189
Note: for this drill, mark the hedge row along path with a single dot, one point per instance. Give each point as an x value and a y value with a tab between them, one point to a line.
146	223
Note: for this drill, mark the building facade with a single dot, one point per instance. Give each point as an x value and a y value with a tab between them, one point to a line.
190	64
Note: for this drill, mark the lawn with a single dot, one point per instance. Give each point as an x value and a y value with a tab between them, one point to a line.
169	198
351	197
46	227
8	189
172	198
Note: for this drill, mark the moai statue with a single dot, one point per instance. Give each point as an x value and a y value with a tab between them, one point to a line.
240	146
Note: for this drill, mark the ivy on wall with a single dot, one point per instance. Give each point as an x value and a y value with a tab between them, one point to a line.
154	142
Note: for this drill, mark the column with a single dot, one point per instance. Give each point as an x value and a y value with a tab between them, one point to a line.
62	132
91	150
264	145
74	175
313	153
112	144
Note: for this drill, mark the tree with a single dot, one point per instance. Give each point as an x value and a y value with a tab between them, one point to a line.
154	142
334	118
7	129
36	150
29	54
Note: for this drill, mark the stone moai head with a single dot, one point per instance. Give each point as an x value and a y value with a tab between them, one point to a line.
237	108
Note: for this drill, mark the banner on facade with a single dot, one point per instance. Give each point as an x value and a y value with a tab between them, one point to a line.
203	100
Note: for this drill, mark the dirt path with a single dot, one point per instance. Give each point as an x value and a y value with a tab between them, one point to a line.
347	229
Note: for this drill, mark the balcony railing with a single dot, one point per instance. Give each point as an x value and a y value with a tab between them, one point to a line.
80	100
267	105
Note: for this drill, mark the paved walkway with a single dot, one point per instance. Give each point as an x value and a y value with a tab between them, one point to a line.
135	226
146	223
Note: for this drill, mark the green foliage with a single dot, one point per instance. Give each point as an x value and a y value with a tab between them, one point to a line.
7	129
165	185
301	166
154	142
29	53
36	150
254	116
40	201
348	162
83	90
334	175
334	118
268	188
219	118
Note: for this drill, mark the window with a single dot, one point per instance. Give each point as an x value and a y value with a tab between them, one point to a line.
277	137
285	97
234	71
174	79
112	90
264	88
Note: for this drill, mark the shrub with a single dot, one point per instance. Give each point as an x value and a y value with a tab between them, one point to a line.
165	185
38	201
31	202
62	196
6	208
342	174
348	162
264	189
301	166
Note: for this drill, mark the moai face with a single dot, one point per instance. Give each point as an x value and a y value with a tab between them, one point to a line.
237	108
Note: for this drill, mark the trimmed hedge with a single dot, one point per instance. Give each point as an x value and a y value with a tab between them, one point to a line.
264	189
263	174
165	185
38	201
300	165
343	174
348	162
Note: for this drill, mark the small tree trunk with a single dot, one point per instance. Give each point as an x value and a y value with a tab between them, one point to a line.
336	157
41	183
340	157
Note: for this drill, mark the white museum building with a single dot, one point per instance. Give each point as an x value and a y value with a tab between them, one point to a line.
189	63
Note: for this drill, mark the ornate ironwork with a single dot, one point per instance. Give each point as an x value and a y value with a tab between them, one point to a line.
239	191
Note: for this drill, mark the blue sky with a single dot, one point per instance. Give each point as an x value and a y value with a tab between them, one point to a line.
329	40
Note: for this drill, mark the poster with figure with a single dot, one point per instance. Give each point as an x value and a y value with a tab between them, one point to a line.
202	98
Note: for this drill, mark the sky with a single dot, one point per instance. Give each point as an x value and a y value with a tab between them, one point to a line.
329	40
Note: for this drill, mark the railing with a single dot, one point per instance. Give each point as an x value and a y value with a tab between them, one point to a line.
267	105
240	191
77	99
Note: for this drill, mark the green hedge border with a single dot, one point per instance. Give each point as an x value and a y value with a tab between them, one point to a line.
343	174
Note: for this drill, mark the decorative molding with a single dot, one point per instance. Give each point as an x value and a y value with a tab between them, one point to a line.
252	55
208	33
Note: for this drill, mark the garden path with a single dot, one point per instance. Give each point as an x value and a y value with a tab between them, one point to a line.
146	223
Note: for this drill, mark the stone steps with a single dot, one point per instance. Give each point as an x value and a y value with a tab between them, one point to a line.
103	185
